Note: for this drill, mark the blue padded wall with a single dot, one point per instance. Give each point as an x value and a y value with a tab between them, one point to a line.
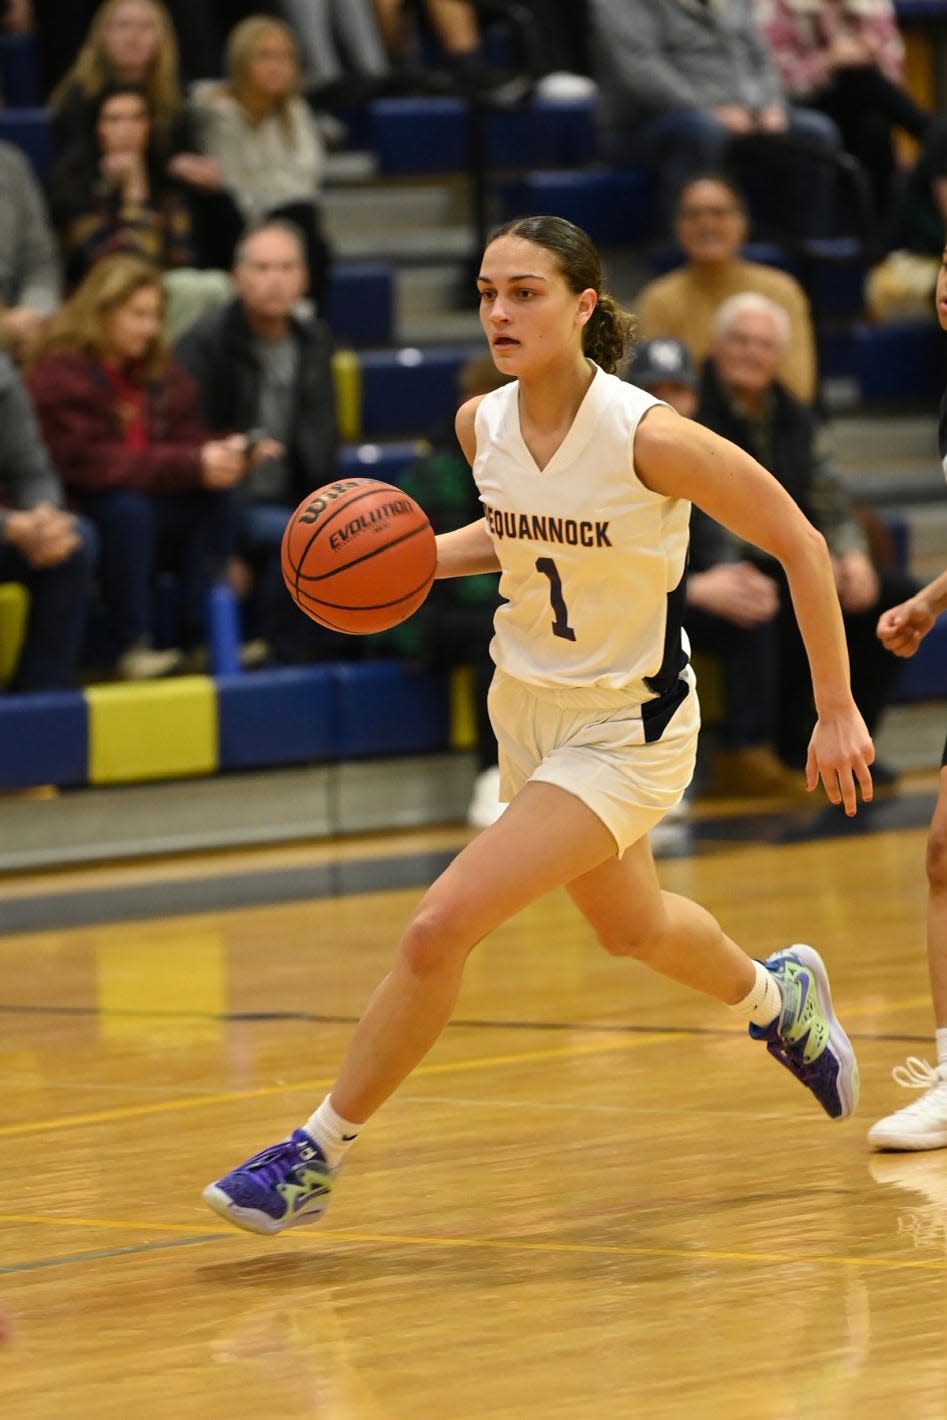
44	739
282	716
385	709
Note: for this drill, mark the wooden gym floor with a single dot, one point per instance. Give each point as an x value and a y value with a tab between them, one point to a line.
596	1198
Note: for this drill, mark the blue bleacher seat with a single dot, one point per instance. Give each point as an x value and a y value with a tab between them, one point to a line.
420	135
613	205
434	135
29	129
837	355
923	676
18	70
408	391
903	362
385	461
834	271
547	133
360	302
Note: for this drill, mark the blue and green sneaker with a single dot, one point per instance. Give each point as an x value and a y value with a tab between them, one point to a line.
287	1184
807	1036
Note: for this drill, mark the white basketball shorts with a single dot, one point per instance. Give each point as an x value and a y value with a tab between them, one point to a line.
593	744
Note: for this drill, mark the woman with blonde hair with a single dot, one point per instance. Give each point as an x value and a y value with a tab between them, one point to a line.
120	419
264	137
134	42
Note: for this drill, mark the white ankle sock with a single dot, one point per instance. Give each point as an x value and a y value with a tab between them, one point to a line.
941	1037
763	1002
331	1132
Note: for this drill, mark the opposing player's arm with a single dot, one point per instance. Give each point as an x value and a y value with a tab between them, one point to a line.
681	459
469	549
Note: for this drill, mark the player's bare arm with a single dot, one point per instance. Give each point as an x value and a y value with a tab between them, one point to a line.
681	459
466	550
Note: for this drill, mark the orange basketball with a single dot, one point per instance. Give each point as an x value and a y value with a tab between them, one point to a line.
358	556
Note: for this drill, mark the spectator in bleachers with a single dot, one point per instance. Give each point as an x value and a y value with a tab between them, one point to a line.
44	548
122	423
342	48
456	27
746	616
561	30
124	202
30	276
685	85
846	58
264	136
711	228
263	366
134	42
17	17
901	285
454	626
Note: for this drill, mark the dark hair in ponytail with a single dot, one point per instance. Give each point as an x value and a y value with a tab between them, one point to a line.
610	328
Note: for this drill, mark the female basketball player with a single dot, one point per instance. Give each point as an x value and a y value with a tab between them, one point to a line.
586	484
923	1124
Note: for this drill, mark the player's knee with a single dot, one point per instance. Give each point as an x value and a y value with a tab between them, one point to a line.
431	942
626	941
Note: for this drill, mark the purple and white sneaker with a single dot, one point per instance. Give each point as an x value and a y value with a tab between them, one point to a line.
287	1184
807	1036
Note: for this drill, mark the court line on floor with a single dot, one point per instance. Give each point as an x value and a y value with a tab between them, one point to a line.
558	1247
65	1259
47	1008
486	1062
630	1250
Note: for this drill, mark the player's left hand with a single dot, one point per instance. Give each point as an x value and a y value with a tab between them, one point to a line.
840	753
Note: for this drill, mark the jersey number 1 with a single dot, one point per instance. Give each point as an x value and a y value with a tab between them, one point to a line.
560	627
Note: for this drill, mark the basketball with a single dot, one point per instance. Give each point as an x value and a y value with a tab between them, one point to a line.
358	556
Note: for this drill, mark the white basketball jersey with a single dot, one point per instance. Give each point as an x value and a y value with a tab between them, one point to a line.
592	561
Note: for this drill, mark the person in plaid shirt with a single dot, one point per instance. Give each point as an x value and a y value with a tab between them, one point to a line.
846	57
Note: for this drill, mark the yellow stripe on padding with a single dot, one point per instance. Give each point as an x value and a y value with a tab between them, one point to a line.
14	606
347	383
160	730
463	720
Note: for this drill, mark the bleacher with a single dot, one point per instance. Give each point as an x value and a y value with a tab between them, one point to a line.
391	390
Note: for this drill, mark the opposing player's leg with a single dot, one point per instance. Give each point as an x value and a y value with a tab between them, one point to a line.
785	999
923	1123
543	840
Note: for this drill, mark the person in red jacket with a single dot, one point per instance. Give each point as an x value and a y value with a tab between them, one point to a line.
121	421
